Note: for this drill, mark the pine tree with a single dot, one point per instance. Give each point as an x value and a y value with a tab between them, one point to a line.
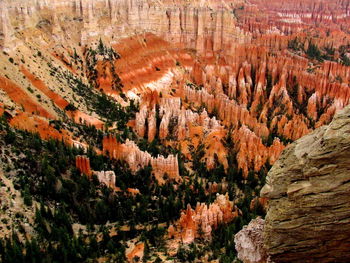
27	198
101	47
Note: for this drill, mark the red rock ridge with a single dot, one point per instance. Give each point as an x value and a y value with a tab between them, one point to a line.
137	159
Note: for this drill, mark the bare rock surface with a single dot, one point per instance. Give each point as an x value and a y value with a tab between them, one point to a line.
308	218
249	242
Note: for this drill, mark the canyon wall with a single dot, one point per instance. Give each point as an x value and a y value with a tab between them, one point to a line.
206	26
308	190
202	26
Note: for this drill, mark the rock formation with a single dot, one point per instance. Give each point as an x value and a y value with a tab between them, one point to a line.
106	177
249	242
137	251
308	189
188	128
203	26
201	221
137	159
286	18
254	82
252	153
8	39
83	165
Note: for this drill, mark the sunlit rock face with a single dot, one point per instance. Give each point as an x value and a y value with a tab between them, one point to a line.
107	178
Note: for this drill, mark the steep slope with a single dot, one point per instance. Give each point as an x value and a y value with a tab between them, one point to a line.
308	187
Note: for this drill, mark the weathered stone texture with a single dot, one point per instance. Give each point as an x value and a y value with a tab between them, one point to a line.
308	218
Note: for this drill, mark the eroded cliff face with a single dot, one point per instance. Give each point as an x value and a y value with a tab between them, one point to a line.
308	189
204	26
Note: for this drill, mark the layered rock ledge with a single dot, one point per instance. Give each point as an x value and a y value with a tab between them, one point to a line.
308	218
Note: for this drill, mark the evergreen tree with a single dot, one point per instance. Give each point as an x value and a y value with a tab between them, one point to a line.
27	198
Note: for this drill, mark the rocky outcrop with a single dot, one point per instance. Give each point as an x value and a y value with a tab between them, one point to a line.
203	220
252	153
83	165
106	177
228	110
249	242
308	215
175	121
183	126
135	252
137	159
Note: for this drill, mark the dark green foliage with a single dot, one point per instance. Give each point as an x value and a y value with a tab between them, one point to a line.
113	112
11	250
188	254
345	60
269	84
10	137
295	45
330	50
105	106
70	107
27	198
75	198
154	147
313	52
101	47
